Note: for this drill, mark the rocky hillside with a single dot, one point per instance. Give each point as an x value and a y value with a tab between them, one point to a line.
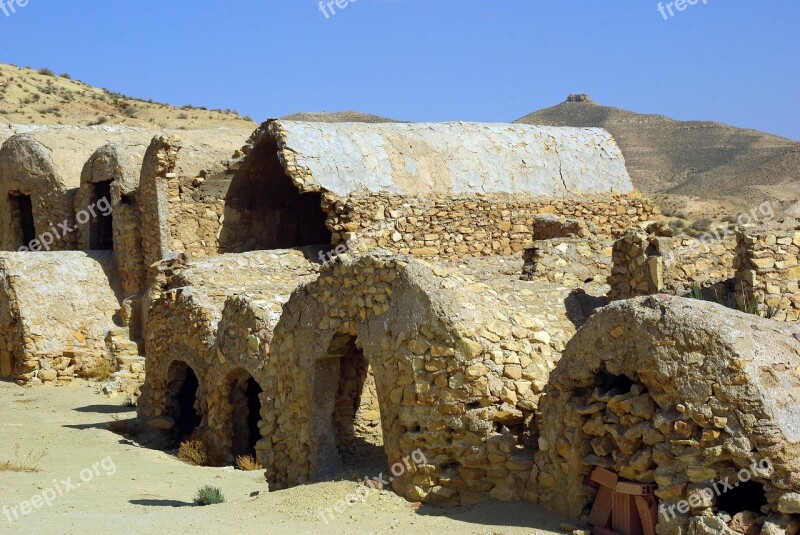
42	97
704	169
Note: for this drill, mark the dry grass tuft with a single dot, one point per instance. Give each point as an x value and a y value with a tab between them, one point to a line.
101	371
193	451
248	463
28	463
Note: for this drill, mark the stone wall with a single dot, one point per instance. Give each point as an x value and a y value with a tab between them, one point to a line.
153	197
568	261
648	261
473	225
768	269
117	167
678	395
57	311
566	251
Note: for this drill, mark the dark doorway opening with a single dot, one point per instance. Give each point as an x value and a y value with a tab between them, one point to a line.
265	210
246	403
745	496
184	386
22	219
347	416
101	227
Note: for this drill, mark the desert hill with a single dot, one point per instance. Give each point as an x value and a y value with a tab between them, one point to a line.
698	167
29	96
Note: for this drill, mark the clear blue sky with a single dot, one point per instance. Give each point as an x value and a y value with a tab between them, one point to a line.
735	61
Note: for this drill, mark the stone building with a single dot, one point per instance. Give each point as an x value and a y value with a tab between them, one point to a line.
59	315
34	194
375	356
66	188
677	395
318	294
253	348
448	190
191	356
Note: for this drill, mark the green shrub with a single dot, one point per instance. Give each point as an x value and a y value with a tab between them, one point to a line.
46	72
697	292
770	311
702	224
746	304
209	496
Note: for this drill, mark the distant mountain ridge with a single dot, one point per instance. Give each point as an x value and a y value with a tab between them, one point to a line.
337	117
701	160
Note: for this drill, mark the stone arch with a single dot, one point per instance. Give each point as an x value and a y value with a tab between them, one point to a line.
440	393
678	394
173	402
183	321
244	403
265	208
109	183
182	399
345	409
333	307
33	197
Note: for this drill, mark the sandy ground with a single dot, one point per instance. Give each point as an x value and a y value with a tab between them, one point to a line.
121	487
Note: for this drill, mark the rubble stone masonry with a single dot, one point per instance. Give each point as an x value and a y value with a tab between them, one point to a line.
648	261
473	225
768	269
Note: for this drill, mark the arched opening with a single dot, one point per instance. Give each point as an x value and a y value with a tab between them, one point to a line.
264	210
101	228
347	418
246	414
183	386
23	227
744	496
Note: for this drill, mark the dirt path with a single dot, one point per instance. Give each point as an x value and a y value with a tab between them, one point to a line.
98	482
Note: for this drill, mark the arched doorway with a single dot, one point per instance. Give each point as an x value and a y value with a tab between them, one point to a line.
245	402
182	400
346	412
22	222
101	227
